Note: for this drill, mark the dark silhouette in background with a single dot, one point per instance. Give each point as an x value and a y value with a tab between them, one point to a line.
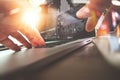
57	3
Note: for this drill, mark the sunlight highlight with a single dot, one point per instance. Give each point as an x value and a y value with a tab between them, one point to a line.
37	3
116	2
31	16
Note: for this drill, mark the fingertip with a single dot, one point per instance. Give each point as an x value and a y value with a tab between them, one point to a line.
28	45
21	39
89	26
10	44
84	12
41	41
16	49
89	29
34	38
38	43
77	14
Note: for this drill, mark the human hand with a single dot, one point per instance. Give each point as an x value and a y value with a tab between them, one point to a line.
93	10
10	25
13	26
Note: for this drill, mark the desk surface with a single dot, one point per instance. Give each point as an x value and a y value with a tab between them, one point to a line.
84	64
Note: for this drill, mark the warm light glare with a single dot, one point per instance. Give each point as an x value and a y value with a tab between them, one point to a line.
31	17
116	2
118	30
37	3
115	16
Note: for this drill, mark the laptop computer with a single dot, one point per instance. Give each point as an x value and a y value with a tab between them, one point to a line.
30	59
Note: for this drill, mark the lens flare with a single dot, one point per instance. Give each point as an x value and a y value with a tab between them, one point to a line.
37	3
31	16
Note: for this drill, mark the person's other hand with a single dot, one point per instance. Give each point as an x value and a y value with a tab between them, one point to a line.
92	10
13	26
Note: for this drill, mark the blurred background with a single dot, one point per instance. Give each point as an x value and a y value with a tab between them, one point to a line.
59	20
55	19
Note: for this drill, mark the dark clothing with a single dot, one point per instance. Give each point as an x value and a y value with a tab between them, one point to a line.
70	3
57	3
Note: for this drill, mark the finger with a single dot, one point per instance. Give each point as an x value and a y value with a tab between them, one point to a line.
92	16
84	12
8	43
33	36
98	5
89	25
21	39
91	22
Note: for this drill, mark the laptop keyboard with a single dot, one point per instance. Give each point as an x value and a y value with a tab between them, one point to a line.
56	43
49	44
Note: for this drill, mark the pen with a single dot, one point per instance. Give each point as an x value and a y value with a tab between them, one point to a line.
100	20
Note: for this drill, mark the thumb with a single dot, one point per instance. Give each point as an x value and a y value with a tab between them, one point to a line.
92	15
